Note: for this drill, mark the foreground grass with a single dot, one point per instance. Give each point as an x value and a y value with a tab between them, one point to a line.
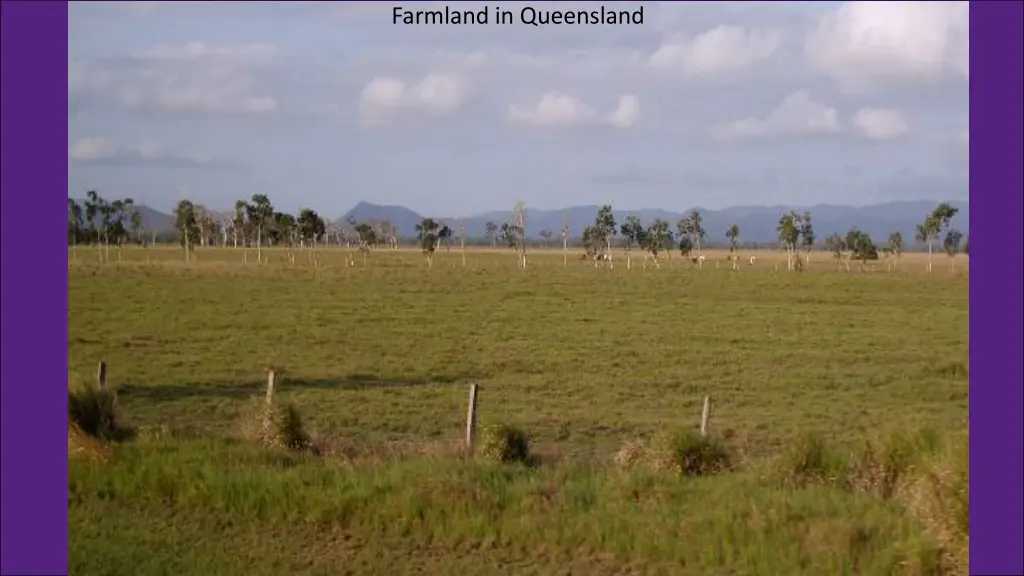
583	359
215	506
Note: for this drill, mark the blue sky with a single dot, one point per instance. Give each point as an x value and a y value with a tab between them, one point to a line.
325	104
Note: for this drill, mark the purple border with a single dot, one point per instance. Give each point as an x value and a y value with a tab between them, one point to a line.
996	376
33	525
33	321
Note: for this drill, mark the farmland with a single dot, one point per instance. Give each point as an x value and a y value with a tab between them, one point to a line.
378	357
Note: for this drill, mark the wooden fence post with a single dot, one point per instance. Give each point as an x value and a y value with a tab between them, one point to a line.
101	376
471	418
271	377
270	387
705	417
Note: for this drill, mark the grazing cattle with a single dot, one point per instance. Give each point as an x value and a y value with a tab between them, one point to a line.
603	257
751	261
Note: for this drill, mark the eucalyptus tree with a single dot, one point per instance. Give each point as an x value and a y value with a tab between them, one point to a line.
427	232
685	245
445	233
691	229
366	235
311	227
119	213
208	226
807	236
657	239
517	232
593	240
894	247
565	241
605	225
137	225
632	231
462	240
940	220
951	244
491	231
259	212
240	222
389	234
732	234
694	226
283	230
188	228
789	235
861	246
547	234
75	222
924	234
836	244
93	204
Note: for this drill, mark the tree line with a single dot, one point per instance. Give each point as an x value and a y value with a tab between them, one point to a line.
255	223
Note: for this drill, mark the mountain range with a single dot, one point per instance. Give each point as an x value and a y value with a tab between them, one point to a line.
756	223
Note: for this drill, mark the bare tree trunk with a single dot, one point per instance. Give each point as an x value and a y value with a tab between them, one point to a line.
929	255
259	243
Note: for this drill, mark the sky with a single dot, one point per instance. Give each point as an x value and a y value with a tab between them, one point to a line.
711	104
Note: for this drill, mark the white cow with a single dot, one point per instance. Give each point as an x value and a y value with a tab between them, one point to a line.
601	257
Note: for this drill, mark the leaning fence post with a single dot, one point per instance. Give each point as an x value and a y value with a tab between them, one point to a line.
471	418
270	387
101	376
705	417
270	401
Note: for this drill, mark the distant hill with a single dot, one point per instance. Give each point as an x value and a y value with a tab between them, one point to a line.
152	220
756	223
404	219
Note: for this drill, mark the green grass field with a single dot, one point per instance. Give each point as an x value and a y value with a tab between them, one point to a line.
378	358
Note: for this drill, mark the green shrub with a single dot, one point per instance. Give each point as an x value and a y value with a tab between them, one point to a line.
505	444
94	411
881	467
276	427
291	432
808	460
687	453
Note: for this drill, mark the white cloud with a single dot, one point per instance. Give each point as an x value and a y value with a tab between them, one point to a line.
103	152
385	97
554	109
91	149
864	45
191	78
880	123
200	50
627	113
559	109
797	115
721	50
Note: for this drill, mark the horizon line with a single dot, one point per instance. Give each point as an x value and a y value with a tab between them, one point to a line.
595	205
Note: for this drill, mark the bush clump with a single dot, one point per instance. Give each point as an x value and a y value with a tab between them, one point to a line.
940	497
687	453
276	427
93	411
808	460
291	432
505	444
